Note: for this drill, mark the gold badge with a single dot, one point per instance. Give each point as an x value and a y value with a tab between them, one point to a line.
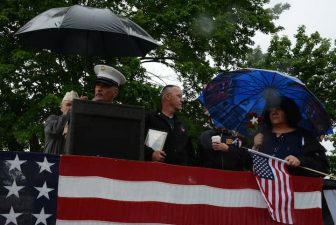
228	141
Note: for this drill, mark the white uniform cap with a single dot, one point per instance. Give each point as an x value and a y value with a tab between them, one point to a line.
69	96
108	75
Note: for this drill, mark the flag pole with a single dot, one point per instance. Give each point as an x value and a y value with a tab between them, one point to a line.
265	155
281	160
316	171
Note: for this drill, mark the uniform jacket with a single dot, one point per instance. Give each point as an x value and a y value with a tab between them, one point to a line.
178	145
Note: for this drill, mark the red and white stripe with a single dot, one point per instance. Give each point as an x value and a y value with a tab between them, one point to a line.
100	191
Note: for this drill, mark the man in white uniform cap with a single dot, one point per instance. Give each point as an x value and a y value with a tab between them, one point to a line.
107	84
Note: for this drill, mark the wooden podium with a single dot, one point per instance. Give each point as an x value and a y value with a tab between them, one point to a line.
106	129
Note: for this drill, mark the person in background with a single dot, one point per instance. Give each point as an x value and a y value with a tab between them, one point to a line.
177	148
283	139
219	148
108	83
55	127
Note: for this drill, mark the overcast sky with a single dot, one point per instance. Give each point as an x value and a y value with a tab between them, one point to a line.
316	15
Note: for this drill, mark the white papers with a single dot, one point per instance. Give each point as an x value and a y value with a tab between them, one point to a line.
155	139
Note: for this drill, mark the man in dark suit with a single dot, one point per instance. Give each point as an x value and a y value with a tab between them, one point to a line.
177	148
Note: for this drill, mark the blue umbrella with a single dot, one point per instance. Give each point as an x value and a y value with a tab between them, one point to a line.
236	100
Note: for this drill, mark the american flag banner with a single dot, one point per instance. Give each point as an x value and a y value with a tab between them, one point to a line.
46	189
276	186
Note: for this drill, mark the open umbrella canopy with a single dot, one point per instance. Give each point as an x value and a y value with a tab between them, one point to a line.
235	99
86	31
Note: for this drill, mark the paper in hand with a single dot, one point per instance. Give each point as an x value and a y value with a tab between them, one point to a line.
155	139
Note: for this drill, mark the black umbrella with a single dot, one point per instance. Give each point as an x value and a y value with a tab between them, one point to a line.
86	31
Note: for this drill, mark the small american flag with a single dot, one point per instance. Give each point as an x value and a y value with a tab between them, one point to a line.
276	187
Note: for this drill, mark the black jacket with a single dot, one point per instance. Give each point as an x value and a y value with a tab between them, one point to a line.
313	156
234	159
178	145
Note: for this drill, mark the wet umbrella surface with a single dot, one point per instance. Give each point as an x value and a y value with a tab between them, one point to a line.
232	97
86	31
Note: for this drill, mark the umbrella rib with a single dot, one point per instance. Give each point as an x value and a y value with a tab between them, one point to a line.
254	89
257	79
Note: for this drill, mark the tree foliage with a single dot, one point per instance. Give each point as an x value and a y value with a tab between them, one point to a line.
191	32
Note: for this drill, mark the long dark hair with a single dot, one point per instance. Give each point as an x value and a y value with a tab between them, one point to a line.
291	110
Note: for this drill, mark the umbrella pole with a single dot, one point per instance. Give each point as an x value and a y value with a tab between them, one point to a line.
85	70
85	61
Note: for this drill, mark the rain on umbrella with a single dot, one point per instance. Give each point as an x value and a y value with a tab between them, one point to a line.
86	31
232	97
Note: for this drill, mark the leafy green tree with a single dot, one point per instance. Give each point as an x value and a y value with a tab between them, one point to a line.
32	82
